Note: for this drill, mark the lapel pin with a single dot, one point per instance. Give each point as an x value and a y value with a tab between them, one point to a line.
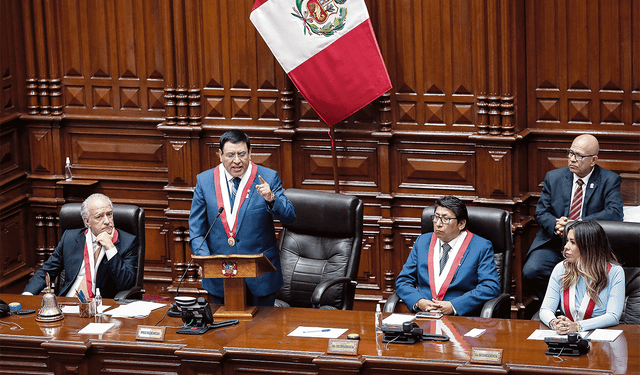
591	185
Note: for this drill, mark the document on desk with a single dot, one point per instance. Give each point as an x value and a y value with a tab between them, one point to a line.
75	309
605	334
321	332
397	319
96	328
135	309
541	334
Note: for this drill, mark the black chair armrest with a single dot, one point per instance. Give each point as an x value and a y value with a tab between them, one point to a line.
390	305
133	293
316	297
498	307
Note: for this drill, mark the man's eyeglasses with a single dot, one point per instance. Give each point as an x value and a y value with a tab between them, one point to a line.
444	220
577	155
232	156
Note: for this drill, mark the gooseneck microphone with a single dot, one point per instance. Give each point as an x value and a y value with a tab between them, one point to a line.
173	311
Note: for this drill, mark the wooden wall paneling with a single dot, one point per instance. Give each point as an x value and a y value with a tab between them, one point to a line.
575	89
30	61
12	56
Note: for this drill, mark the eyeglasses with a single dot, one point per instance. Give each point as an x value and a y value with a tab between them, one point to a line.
578	156
239	155
444	220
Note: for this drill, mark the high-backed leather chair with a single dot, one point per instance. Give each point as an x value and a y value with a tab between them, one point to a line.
127	217
494	225
320	250
625	243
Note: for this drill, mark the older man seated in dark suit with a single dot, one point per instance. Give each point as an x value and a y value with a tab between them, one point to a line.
96	257
580	191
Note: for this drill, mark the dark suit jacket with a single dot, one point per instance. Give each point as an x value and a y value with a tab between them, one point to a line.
255	230
474	283
118	273
602	201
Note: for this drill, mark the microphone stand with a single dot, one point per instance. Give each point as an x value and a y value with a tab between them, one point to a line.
173	311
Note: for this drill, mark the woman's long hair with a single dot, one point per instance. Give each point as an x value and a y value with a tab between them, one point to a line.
595	255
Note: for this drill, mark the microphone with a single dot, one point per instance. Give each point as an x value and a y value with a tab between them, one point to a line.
173	311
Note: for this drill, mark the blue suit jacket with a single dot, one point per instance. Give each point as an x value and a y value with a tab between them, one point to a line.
255	230
474	283
118	273
602	201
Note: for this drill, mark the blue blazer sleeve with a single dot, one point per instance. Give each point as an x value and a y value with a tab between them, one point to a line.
485	279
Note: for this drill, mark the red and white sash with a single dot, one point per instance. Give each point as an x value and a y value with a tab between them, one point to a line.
439	295
230	221
90	260
586	306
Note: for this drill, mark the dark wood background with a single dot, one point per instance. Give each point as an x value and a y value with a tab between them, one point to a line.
487	96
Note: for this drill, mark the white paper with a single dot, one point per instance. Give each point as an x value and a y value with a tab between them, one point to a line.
540	334
476	332
397	319
135	309
75	309
322	332
605	334
96	328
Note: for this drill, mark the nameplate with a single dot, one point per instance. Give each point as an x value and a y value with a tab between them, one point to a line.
344	347
151	333
487	356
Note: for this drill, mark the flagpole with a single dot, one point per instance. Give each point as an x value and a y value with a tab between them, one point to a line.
334	155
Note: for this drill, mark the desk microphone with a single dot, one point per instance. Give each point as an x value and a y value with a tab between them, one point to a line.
173	311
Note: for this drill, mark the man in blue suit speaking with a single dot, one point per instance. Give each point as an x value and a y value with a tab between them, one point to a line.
580	191
251	196
450	270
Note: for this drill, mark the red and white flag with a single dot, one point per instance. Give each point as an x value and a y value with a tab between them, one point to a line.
328	49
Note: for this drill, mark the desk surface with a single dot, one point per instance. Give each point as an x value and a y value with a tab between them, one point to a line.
262	344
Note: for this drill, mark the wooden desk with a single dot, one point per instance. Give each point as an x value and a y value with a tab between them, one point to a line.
262	346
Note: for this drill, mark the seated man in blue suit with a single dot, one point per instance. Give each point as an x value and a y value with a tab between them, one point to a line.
450	270
250	196
580	191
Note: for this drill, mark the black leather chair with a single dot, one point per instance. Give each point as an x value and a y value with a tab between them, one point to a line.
494	225
320	250
625	243
126	217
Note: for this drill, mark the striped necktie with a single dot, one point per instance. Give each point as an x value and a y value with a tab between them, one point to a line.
234	190
576	202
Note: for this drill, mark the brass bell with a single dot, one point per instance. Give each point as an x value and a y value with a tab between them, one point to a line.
49	310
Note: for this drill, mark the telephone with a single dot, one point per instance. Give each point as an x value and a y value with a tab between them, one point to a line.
572	345
408	333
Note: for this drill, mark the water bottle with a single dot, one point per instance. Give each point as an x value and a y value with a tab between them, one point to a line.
67	170
98	301
378	318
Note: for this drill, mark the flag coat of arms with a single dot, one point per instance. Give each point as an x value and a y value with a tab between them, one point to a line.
328	49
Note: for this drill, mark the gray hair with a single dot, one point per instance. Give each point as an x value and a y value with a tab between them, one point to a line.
84	208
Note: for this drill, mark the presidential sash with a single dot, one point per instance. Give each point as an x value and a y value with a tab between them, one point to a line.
90	261
218	177
439	295
586	306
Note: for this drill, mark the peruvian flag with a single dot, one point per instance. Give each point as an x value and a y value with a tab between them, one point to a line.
328	49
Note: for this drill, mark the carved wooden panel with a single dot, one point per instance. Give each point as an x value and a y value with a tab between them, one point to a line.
581	73
112	57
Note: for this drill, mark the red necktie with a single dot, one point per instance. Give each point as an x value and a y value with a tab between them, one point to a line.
576	203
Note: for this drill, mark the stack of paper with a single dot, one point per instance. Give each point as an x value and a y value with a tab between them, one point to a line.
137	309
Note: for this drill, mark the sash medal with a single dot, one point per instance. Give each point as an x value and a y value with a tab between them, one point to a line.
218	176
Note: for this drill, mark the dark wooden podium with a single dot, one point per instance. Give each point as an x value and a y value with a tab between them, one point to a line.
234	269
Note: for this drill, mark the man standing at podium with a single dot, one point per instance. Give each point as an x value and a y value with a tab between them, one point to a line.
250	196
